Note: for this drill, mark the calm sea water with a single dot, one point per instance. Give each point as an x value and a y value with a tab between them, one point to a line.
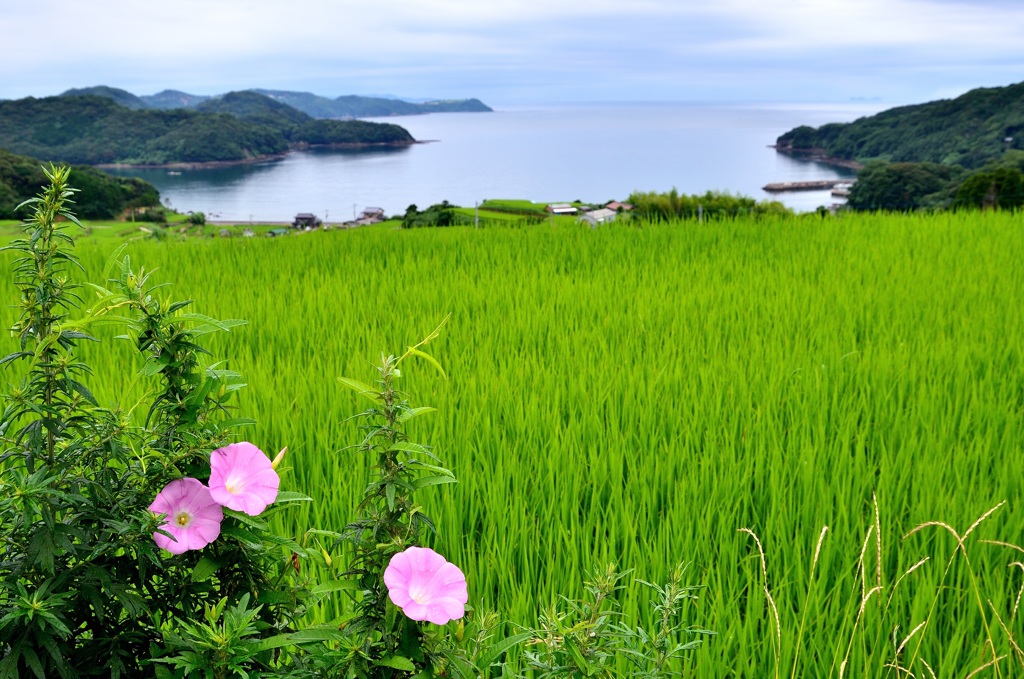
588	152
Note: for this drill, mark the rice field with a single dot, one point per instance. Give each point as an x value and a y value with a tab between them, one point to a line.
639	395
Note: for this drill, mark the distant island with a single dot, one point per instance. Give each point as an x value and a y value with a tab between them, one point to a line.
113	130
315	106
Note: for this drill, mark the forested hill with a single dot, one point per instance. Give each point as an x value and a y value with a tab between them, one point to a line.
971	130
95	130
100	195
345	106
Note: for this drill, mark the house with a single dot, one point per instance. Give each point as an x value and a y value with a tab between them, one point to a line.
277	232
561	209
616	206
373	214
602	216
306	220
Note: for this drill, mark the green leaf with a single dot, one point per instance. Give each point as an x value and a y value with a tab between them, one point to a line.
414	448
433	361
415	412
433	481
317	633
277	641
397	662
289	496
389	490
433	468
204	569
494	652
361	388
334	586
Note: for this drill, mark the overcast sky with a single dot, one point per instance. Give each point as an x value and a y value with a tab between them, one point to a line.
519	51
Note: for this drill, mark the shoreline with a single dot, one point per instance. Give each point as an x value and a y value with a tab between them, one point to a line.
273	157
817	155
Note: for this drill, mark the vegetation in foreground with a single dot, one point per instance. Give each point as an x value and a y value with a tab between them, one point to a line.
641	393
102	196
120	559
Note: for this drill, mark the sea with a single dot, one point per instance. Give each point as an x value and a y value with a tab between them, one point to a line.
590	152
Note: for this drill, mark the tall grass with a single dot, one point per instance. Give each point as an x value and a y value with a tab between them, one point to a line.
639	395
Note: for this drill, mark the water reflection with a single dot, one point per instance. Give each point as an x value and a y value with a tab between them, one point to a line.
593	153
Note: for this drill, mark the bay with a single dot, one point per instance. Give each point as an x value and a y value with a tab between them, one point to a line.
590	152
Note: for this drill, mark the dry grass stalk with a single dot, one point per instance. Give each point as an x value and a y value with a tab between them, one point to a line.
990	663
777	646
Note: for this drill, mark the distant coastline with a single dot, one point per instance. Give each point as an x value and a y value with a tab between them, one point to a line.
253	160
817	155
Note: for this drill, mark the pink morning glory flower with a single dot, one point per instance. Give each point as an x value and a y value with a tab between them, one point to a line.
425	586
242	478
192	517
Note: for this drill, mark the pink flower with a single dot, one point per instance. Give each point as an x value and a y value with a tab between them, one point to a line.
192	517
241	478
425	586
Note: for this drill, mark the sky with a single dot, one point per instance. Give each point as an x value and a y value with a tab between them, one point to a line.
509	52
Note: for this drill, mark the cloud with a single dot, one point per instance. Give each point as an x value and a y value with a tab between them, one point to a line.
560	49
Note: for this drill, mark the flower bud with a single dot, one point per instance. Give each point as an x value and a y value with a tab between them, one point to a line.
280	457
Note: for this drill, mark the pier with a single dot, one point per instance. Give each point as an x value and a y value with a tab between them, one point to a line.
816	185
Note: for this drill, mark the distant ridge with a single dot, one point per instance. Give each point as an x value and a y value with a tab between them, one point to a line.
313	105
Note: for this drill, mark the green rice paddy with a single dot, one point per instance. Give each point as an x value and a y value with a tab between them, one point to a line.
638	395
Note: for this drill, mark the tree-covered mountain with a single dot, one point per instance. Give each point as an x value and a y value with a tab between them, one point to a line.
255	108
95	130
345	106
302	129
352	106
99	196
168	99
971	130
122	97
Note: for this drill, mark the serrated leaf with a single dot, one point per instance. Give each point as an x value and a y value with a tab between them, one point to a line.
415	448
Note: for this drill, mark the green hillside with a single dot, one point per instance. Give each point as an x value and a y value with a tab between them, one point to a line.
970	130
255	108
100	195
95	130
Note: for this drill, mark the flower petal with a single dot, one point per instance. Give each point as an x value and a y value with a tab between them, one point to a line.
425	586
188	497
242	478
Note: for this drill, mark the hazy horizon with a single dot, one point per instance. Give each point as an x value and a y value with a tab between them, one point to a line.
510	52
